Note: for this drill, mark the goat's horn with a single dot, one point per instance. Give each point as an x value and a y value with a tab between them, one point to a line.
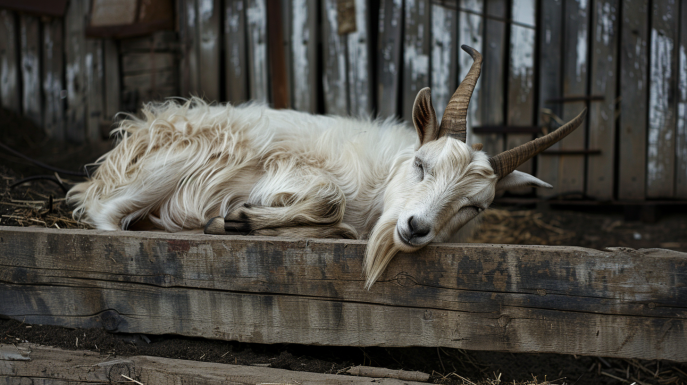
455	116
507	161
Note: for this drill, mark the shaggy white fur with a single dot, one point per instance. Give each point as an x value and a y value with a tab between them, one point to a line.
285	172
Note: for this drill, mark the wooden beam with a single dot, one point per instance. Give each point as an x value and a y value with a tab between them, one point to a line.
390	41
256	20
416	53
335	62
209	14
444	20
616	303
236	70
360	65
30	363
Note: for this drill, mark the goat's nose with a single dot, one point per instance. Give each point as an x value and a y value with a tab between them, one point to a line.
417	228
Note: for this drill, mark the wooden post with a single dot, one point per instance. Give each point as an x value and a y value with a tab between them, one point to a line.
550	87
444	70
304	53
492	103
32	101
360	79
471	25
416	53
190	48
113	86
209	12
602	118
521	70
389	57
10	95
335	62
53	70
634	89
95	79
75	71
256	19
663	78
236	70
681	139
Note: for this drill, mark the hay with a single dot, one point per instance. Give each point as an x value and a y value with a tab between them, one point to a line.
519	227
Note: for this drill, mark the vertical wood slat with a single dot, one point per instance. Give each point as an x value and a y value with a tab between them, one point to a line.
286	40
75	71
235	51
521	74
10	95
113	87
190	47
600	170
416	53
470	26
304	41
550	85
256	19
94	84
334	78
443	50
681	137
279	79
360	77
31	69
209	12
493	74
389	58
634	90
662	100
52	71
575	59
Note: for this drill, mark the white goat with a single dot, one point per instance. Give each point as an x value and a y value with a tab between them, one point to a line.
289	173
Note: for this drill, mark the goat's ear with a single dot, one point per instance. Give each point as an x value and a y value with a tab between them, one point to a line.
424	117
517	179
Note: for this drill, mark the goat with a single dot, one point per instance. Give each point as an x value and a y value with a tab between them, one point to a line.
289	173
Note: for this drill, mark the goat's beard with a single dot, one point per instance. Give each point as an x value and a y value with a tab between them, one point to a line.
381	249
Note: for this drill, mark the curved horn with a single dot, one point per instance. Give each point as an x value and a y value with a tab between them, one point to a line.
507	161
455	116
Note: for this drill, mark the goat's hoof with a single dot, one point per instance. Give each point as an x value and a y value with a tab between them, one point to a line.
215	226
238	220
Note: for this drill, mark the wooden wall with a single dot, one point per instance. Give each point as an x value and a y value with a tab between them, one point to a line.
544	61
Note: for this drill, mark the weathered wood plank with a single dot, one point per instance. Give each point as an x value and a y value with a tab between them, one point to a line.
236	73
602	120
681	139
334	79
57	366
135	63
209	13
190	48
304	53
492	98
30	43
360	95
146	81
390	41
95	79
76	71
52	73
619	303
521	72
416	53
10	94
550	86
634	89
158	42
444	70
663	78
470	32
256	17
112	81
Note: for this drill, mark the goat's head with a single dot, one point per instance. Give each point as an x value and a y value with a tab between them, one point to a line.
448	183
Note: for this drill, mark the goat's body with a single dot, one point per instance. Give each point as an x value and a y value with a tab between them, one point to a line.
182	165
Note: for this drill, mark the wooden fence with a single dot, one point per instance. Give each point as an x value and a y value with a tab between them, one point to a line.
544	61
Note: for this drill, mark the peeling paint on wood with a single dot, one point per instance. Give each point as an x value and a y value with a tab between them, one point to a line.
53	70
470	33
444	71
416	52
634	55
602	119
359	64
32	106
256	19
334	79
235	51
663	77
570	300
10	96
389	57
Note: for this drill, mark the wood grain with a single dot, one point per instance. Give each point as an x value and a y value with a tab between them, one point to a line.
360	66
304	54
52	73
444	71
10	91
209	15
93	65
602	119
634	61
492	102
663	78
390	41
470	27
550	87
334	46
112	81
620	303
681	138
236	71
34	364
256	19
190	48
75	53
30	47
416	53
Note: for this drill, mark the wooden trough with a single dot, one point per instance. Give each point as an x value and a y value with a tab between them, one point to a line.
547	299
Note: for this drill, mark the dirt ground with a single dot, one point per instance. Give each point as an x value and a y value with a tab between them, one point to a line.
41	203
